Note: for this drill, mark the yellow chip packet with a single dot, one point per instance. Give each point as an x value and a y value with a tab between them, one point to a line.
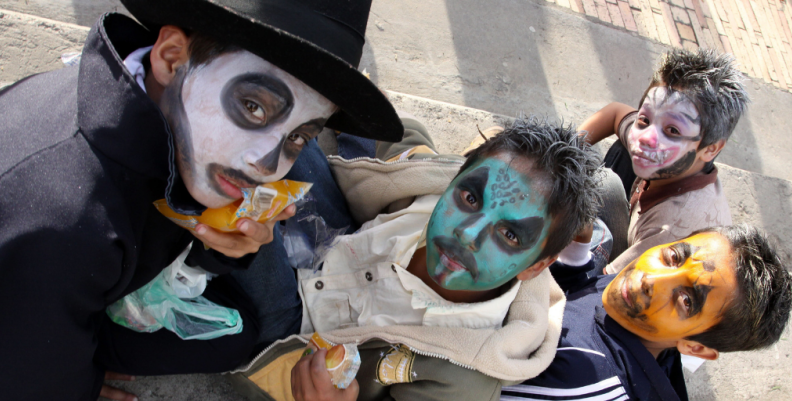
342	360
261	204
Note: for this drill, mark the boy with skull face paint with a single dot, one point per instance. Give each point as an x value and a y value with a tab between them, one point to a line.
445	293
721	289
684	119
208	98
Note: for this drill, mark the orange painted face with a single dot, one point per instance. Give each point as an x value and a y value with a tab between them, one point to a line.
675	290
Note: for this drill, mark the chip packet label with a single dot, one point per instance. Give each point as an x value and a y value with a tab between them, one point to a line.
342	360
261	204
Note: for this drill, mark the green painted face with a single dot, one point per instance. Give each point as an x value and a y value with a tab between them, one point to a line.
490	224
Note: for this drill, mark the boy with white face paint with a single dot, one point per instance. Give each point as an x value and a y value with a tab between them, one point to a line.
670	143
207	98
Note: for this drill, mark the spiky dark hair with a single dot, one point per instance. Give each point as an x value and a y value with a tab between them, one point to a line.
568	162
712	82
758	314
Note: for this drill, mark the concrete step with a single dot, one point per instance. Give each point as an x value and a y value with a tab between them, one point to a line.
78	12
516	57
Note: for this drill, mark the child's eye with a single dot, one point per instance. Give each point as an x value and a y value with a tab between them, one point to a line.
684	302
673	257
296	138
256	112
642	121
510	236
469	198
672	131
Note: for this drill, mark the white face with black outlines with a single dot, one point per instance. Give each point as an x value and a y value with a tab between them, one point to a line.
663	142
238	122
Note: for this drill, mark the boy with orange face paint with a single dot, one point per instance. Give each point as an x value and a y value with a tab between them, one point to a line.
718	290
669	143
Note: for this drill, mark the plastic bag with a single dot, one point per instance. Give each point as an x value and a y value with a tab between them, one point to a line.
186	281
157	305
306	236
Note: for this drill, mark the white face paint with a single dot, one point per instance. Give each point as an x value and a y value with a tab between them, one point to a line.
664	140
243	123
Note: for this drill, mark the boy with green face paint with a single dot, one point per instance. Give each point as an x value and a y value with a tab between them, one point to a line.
430	276
488	226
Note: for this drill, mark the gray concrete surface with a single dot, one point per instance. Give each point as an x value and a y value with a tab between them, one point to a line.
513	56
498	58
520	56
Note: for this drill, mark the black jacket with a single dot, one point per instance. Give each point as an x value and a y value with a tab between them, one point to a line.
83	154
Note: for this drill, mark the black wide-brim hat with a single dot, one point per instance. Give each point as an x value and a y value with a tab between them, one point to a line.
319	42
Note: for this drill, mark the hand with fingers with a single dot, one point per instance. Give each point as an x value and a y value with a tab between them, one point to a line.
251	236
310	381
116	394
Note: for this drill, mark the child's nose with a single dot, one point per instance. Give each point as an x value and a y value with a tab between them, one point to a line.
473	235
648	137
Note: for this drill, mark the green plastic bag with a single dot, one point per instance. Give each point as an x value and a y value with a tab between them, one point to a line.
155	305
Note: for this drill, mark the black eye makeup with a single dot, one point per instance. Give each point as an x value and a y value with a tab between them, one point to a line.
255	100
296	140
526	232
471	188
677	254
692	299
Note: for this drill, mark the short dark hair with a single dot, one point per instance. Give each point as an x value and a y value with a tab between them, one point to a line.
757	316
570	165
204	48
712	82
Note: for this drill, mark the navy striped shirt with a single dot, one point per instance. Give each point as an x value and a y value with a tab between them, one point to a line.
598	360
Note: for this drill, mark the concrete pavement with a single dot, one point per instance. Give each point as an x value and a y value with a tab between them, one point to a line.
459	63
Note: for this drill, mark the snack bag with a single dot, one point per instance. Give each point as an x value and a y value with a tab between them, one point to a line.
342	360
260	204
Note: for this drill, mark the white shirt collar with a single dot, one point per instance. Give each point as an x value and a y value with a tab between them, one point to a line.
440	312
134	63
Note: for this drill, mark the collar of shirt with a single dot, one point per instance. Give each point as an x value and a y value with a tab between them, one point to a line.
124	123
650	195
440	312
134	63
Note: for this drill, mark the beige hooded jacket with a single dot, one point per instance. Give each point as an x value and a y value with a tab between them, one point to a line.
451	363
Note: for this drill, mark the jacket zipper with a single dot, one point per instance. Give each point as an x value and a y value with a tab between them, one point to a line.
417	351
440	356
260	354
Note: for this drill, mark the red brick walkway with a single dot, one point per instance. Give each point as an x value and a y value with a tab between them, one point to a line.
757	32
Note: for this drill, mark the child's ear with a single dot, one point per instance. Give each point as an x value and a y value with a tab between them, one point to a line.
536	268
697	349
169	52
712	150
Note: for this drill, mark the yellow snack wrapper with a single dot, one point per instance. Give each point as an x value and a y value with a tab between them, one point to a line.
342	360
260	204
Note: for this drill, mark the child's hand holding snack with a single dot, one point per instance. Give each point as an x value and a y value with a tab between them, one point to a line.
311	381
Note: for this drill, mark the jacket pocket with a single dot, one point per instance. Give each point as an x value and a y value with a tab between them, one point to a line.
332	311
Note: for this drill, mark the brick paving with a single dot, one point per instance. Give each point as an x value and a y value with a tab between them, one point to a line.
757	32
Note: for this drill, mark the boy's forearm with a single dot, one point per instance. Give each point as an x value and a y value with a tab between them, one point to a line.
605	122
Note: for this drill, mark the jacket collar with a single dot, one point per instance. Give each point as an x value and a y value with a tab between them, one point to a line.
117	117
651	195
665	387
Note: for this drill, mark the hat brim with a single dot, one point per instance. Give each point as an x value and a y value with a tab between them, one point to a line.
364	109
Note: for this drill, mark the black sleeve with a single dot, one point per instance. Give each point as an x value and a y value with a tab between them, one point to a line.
58	263
575	374
215	262
571	278
625	125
